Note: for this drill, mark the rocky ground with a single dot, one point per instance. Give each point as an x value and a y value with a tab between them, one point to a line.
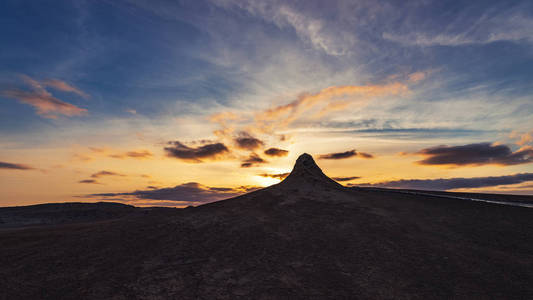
305	238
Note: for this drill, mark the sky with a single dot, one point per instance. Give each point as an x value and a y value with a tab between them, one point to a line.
177	103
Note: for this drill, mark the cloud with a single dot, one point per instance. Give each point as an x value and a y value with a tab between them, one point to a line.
46	105
345	178
192	192
324	102
417	76
345	154
89	181
252	160
312	30
476	155
12	166
504	26
106	173
277	176
140	154
276	152
248	142
65	87
522	138
195	154
454	183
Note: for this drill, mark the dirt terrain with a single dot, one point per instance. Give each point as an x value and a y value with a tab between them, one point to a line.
307	237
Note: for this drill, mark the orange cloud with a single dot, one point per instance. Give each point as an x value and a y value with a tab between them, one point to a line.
417	76
141	154
47	105
522	138
65	87
327	100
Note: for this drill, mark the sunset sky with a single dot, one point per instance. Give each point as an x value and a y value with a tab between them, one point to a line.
180	103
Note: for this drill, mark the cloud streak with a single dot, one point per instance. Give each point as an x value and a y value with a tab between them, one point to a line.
106	173
89	181
345	154
276	152
46	105
192	192
252	160
140	154
280	176
12	166
476	155
65	87
345	178
319	104
454	183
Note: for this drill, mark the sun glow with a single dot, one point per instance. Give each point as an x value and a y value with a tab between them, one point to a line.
266	181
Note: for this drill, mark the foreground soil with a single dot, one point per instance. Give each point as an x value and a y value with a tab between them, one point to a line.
306	238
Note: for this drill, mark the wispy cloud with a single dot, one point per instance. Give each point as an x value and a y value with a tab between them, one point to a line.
65	87
512	26
324	102
46	105
312	30
139	154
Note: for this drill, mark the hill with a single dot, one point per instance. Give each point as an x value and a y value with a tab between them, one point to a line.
307	237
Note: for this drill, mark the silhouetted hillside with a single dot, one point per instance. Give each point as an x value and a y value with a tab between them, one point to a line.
307	237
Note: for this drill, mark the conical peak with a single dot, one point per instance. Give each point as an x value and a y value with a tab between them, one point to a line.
305	161
306	170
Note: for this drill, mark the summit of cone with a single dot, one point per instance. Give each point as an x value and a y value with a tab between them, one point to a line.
307	172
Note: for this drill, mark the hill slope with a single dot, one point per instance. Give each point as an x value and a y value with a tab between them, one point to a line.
304	238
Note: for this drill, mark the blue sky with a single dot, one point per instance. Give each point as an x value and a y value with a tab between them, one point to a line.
142	73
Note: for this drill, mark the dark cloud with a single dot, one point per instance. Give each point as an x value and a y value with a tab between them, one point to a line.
276	152
248	142
91	181
345	178
346	154
277	176
105	173
11	166
454	183
141	154
476	154
252	160
188	192
195	154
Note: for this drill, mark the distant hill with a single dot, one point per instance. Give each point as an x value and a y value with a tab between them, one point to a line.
307	237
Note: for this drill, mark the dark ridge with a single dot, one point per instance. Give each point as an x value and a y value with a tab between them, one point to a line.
62	213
